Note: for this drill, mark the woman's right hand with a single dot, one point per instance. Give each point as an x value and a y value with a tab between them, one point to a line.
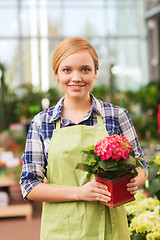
94	191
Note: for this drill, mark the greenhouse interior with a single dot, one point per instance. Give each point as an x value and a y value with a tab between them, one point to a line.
126	36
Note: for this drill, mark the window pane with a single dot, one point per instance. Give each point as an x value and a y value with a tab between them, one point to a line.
82	22
52	45
102	50
26	61
83	3
116	28
9	22
55	18
25	21
130	65
129	19
8	3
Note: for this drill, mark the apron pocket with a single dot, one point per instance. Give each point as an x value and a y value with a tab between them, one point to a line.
54	227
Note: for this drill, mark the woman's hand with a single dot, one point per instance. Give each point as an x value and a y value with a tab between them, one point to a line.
94	191
138	181
132	187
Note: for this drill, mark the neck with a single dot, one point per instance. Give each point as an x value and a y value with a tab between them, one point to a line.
75	104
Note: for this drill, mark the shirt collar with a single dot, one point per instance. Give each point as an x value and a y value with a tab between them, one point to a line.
96	105
57	112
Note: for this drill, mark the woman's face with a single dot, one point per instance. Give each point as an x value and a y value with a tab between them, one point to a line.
76	73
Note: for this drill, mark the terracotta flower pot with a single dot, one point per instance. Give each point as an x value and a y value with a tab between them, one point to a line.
118	188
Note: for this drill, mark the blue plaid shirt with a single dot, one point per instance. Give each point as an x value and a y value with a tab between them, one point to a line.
35	157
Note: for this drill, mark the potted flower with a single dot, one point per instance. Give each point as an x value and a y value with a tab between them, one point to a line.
113	163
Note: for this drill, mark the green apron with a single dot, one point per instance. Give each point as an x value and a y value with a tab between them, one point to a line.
78	220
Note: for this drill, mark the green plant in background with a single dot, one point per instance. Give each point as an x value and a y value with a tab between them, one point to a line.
100	92
53	95
25	107
29	103
153	182
142	105
144	213
146	226
144	218
3	89
145	119
149	96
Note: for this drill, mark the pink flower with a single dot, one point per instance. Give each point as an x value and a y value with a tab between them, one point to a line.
113	147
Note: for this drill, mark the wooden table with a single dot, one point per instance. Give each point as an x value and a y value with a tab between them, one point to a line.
14	210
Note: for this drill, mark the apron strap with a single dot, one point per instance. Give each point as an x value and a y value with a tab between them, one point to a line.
99	120
58	123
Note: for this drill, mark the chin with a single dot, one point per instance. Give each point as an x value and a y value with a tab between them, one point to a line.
78	96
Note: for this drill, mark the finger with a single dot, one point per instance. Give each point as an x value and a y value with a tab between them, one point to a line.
132	180
132	184
105	203
132	190
102	186
103	190
104	199
133	193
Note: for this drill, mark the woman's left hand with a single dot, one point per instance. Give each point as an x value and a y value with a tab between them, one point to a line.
132	187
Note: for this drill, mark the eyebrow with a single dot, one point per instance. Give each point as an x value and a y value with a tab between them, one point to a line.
65	66
87	66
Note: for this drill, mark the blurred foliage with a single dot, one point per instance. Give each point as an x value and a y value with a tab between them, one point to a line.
100	92
148	96
24	108
142	105
30	103
3	90
153	182
143	217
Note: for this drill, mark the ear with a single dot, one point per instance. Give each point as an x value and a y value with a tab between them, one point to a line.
95	74
56	75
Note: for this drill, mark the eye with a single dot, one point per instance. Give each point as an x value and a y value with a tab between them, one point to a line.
86	70
66	70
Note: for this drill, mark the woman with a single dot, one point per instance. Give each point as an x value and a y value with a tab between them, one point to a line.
74	208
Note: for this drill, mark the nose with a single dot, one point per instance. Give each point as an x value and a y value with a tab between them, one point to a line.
76	76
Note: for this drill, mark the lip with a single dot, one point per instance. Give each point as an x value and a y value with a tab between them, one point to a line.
76	87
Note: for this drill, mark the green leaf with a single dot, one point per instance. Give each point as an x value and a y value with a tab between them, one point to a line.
131	160
108	165
135	173
138	163
91	148
84	151
80	166
138	236
89	156
89	176
158	196
153	172
122	165
154	186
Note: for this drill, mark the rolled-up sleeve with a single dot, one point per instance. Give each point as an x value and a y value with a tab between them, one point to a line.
33	159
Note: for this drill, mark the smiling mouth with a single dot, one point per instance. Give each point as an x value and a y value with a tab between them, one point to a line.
76	86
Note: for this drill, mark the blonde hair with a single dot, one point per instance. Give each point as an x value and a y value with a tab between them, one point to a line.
70	46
